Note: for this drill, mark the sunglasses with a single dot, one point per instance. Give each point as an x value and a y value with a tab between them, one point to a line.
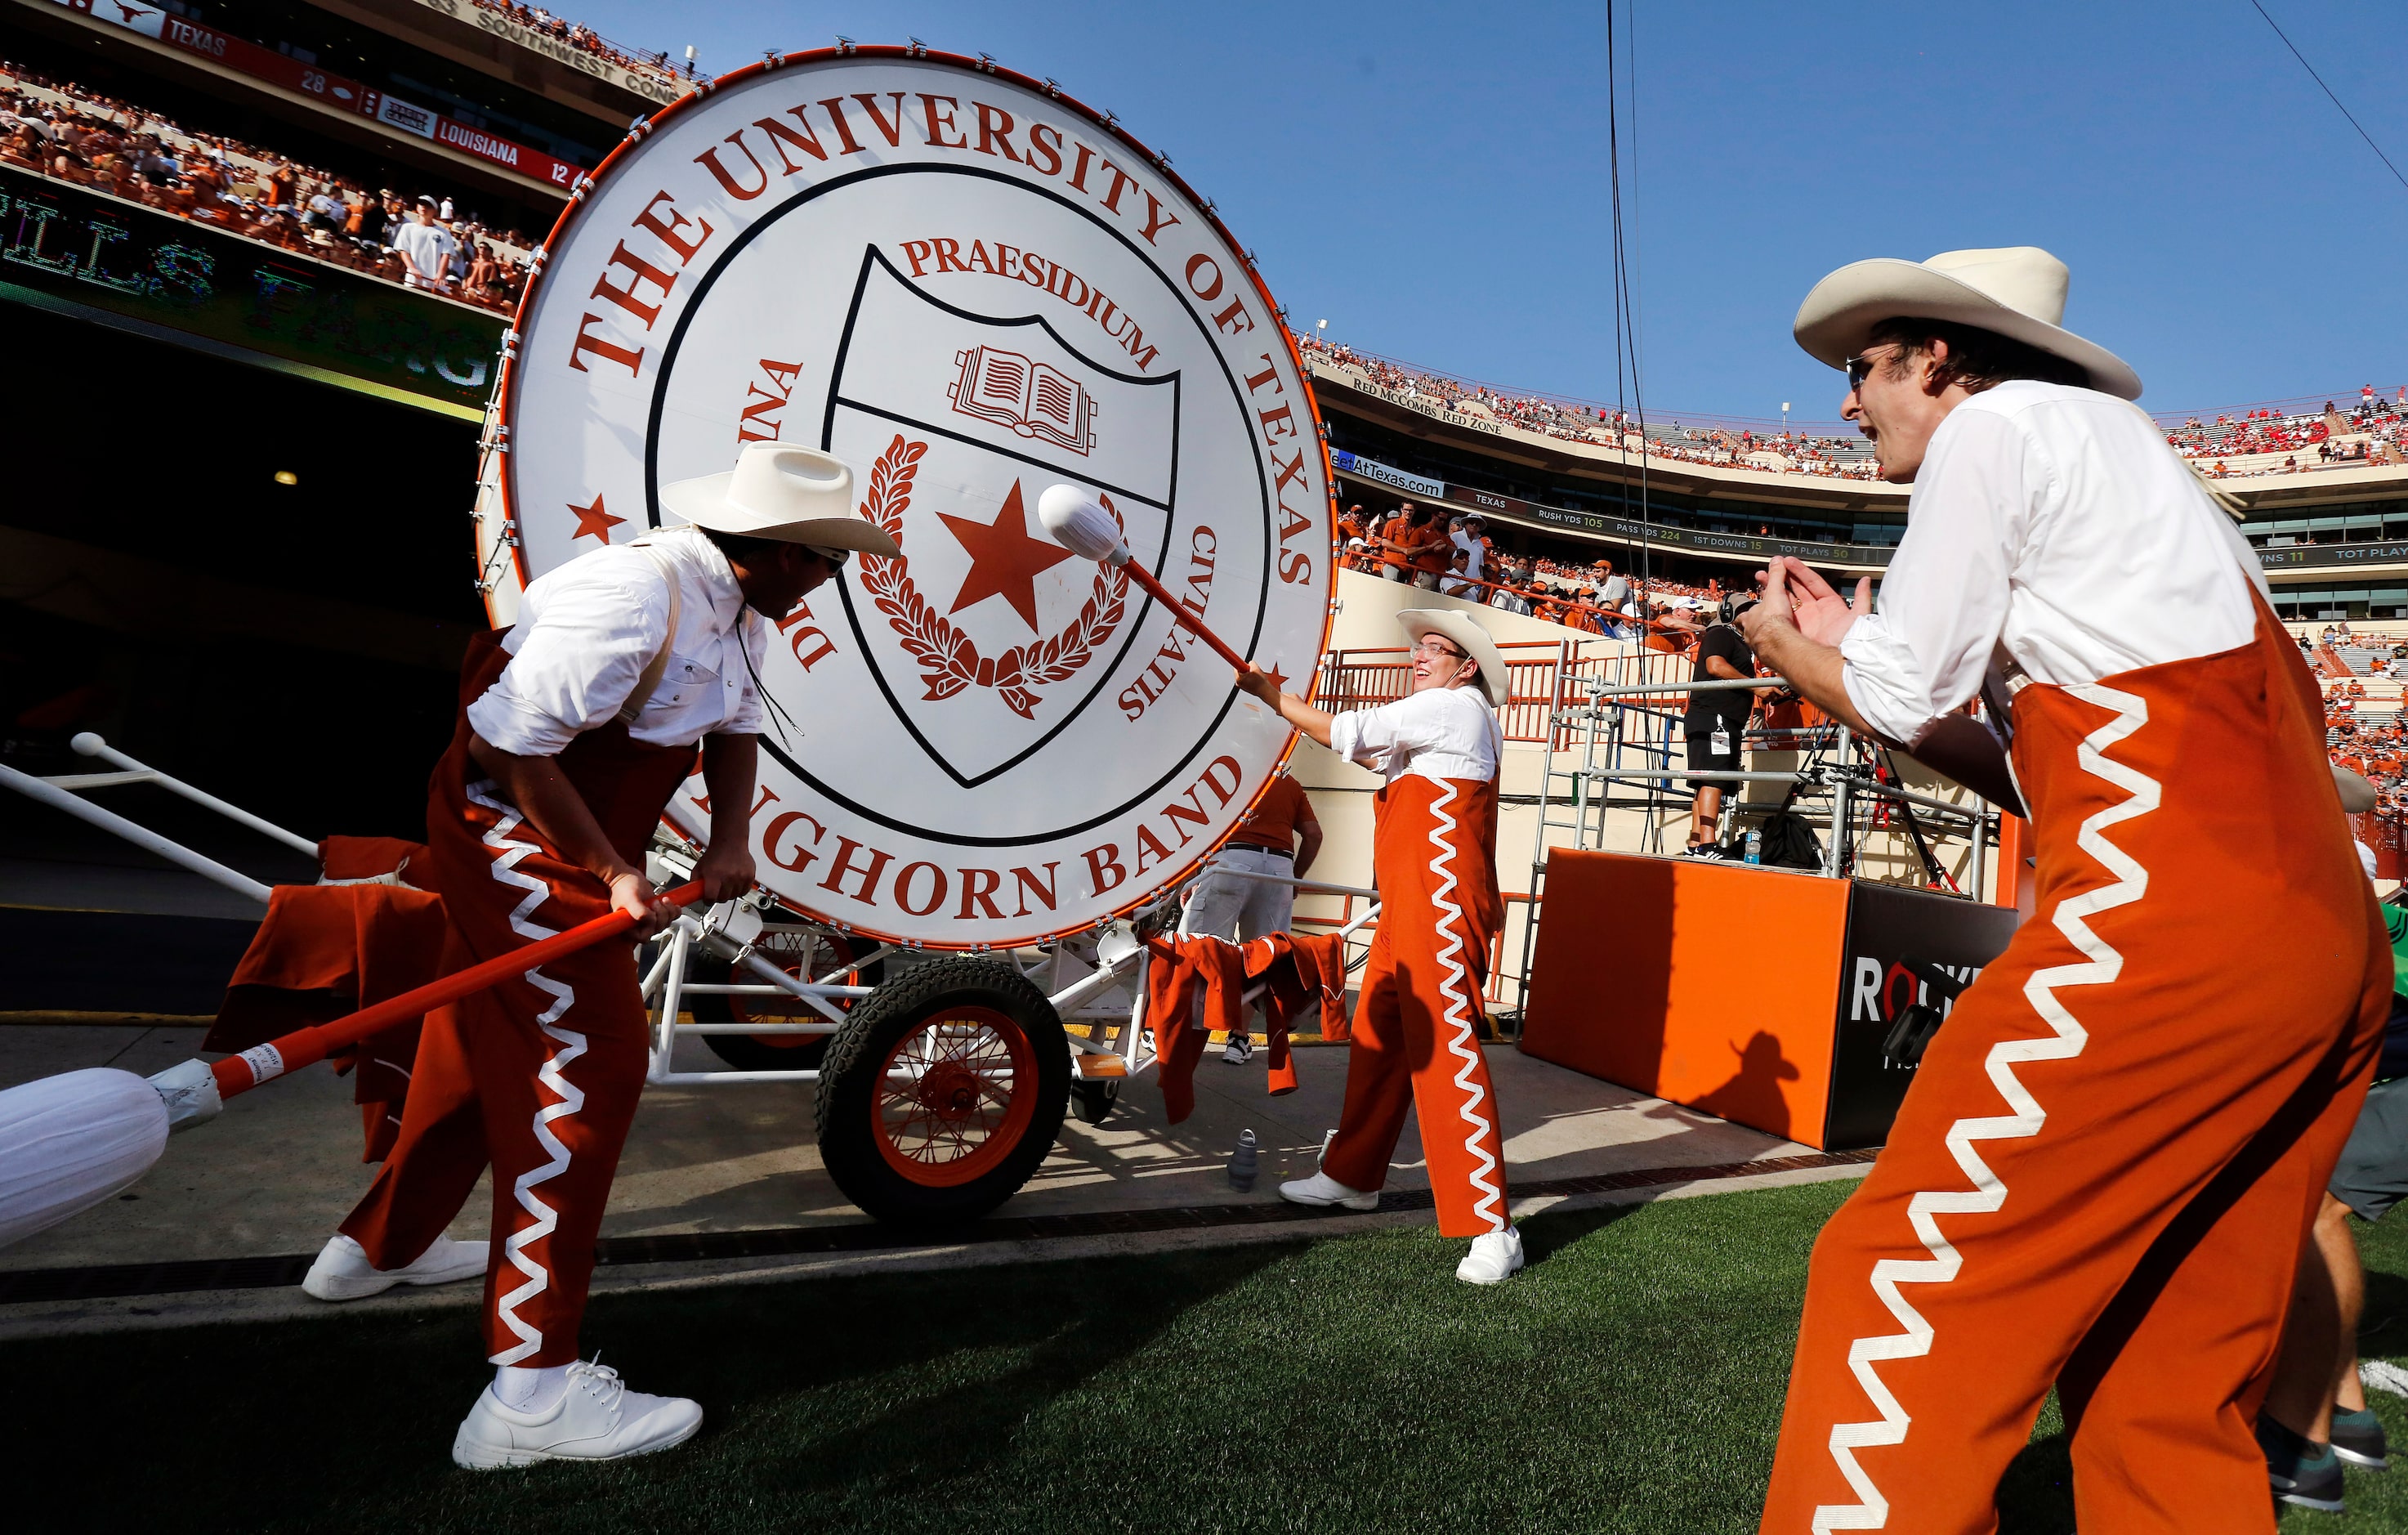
1858	368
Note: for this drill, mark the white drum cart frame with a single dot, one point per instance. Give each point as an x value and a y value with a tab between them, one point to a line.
908	1069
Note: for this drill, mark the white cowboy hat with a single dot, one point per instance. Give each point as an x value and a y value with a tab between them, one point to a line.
2018	292
794	495
1465	631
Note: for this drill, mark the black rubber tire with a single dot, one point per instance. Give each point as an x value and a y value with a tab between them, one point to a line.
1092	1101
743	1052
849	1079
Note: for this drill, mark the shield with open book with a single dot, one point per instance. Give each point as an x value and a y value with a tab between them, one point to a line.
986	637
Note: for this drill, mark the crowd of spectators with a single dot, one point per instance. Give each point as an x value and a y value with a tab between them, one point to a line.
2231	446
2245	445
579	36
2363	728
1451	552
2376	748
1744	447
418	238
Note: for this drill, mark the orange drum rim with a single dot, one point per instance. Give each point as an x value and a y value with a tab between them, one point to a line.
955	1096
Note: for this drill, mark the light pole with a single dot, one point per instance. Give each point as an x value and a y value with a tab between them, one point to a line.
1784	418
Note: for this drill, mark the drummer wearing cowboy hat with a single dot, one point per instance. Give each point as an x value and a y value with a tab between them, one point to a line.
1416	1032
575	727
2103	1171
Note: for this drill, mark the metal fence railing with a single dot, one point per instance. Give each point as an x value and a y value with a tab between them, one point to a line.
1541	677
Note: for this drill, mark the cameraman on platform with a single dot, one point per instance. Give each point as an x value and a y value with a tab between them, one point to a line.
1716	723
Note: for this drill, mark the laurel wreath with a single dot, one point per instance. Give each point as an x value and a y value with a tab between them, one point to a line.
948	660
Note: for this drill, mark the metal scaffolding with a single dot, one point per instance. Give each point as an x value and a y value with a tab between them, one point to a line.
1614	745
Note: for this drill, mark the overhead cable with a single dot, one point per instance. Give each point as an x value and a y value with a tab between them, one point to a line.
2334	99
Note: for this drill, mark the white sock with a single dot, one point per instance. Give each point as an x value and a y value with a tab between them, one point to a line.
530	1390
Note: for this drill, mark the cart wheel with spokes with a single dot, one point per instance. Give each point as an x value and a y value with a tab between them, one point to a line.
776	1052
944	1092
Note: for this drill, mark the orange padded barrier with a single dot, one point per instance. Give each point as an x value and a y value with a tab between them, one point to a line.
1759	996
1705	984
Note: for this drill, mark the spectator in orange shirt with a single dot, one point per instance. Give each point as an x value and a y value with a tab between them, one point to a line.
1407	541
1432	555
1396	563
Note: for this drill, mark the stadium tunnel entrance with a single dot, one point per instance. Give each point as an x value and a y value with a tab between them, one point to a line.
256	583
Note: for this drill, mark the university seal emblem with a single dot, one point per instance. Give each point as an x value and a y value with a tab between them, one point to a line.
969	289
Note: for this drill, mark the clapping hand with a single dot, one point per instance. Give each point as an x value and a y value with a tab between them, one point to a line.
1794	596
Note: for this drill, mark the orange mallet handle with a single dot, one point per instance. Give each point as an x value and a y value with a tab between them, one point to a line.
308	1047
1189	621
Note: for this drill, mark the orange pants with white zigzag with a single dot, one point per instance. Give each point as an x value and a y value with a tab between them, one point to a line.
1415	1036
2105	1169
540	1074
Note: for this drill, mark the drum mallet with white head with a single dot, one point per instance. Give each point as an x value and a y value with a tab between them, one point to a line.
1080	524
69	1141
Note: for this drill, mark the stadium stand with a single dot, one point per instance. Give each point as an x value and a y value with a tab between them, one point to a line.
110	145
2292	438
1747	445
2286	438
579	36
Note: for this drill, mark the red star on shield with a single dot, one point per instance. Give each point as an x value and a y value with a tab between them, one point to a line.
1004	560
1279	678
592	520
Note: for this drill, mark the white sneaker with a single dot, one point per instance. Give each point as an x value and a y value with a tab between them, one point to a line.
1240	1049
1495	1256
343	1272
597	1418
1322	1190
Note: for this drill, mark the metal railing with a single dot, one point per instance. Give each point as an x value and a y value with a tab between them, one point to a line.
64	791
1611	738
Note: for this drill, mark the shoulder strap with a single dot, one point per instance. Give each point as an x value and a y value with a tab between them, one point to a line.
650	681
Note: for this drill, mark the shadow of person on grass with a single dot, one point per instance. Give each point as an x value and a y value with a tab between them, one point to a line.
757	1357
1061	1325
2383	1327
2036	1496
1551	1231
1067	1325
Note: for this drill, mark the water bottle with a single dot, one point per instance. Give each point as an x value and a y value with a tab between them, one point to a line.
1242	1164
1755	845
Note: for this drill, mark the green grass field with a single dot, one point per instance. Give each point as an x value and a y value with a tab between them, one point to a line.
1630	1381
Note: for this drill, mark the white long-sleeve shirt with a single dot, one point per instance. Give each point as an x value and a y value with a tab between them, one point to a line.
2052	524
1438	733
587	630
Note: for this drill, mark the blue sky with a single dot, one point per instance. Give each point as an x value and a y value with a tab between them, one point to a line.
1435	183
